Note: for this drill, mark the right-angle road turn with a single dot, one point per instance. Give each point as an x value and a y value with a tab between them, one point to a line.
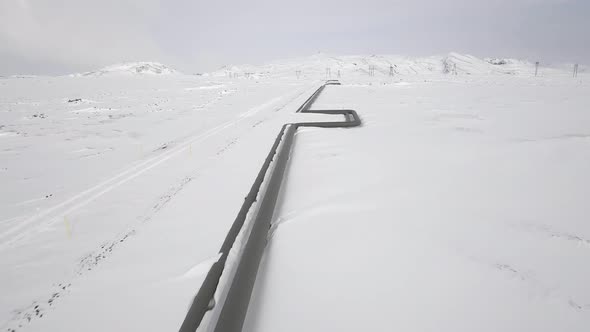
233	309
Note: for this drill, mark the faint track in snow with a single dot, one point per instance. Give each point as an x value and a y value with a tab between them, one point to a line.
57	212
87	196
92	260
42	305
532	280
547	230
529	278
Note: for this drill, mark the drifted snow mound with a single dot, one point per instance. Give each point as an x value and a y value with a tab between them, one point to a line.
468	64
132	68
379	65
318	64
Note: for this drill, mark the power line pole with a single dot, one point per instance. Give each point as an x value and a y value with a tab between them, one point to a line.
536	68
575	70
391	70
328	73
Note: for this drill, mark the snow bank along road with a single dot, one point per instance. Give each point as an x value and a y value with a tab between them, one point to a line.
469	212
232	309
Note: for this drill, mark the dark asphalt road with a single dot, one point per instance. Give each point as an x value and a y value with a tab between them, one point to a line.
235	307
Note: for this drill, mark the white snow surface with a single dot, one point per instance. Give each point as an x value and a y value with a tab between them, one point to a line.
358	66
132	68
459	205
463	208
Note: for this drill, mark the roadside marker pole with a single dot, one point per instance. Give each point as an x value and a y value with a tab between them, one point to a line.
68	227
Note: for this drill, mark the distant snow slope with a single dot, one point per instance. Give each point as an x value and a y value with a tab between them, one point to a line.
127	68
360	65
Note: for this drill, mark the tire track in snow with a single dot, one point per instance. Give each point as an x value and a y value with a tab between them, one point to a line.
40	307
54	214
87	196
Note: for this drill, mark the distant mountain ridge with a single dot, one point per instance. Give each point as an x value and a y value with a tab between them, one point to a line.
380	65
321	65
132	68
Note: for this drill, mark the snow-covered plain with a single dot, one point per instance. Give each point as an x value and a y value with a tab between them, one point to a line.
463	206
458	206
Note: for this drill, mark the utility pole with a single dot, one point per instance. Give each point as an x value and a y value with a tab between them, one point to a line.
455	69
575	70
371	70
391	70
536	68
328	73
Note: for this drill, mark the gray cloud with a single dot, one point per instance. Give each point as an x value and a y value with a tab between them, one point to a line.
56	36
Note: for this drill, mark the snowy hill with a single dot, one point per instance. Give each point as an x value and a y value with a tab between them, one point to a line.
361	65
132	68
468	64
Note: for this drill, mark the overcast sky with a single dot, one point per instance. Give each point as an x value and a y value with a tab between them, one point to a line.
64	36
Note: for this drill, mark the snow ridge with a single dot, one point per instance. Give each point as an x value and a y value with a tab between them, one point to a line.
132	68
381	65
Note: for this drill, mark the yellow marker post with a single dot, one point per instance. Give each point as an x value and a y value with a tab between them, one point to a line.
68	227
